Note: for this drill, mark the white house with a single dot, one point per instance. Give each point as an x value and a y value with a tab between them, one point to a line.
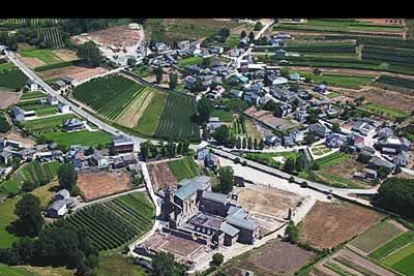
32	85
63	108
294	77
52	100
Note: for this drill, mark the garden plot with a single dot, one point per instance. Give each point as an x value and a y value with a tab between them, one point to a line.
161	176
8	99
378	235
320	150
328	225
184	168
398	102
94	185
275	258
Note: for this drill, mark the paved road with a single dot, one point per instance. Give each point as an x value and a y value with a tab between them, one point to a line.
265	27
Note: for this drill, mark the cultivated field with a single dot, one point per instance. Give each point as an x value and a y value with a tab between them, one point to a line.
113	36
33	57
378	235
115	222
397	102
161	175
76	72
267	260
48	124
328	225
8	99
12	78
83	137
184	168
94	185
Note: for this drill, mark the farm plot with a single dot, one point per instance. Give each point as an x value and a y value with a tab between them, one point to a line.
115	36
393	246
46	56
320	150
12	79
40	109
347	81
271	159
385	111
108	95
8	98
176	120
94	185
378	235
115	222
161	176
222	114
149	120
33	95
84	138
184	168
328	225
263	261
396	102
76	72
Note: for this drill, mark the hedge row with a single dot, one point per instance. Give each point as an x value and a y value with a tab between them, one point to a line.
57	65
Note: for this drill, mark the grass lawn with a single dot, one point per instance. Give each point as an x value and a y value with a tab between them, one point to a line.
224	115
117	265
190	61
232	41
44	125
84	138
332	95
6	66
6	217
16	271
384	110
346	81
149	121
377	236
184	168
45	55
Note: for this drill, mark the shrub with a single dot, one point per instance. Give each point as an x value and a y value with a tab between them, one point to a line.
218	259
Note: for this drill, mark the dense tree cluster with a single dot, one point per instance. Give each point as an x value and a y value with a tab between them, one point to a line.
164	264
204	108
396	195
90	53
226	180
30	220
171	149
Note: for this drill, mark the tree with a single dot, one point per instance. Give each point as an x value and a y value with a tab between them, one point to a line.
255	146
238	143
243	34
27	249
224	32
249	143
131	61
300	163
204	107
292	232
218	259
396	195
226	180
244	143
258	26
315	166
158	74
222	135
164	265
251	36
90	53
317	71
89	151
173	80
206	62
309	138
336	128
29	186
290	165
261	144
28	210
67	176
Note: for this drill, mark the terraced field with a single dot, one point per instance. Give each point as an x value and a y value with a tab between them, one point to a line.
184	168
115	222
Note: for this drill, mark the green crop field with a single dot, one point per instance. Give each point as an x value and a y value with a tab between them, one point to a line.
377	236
400	255
12	79
109	95
6	66
346	81
190	61
45	125
149	121
33	95
331	159
84	138
15	271
118	265
223	115
393	246
4	125
40	109
396	81
176	119
184	168
45	55
115	222
405	265
384	110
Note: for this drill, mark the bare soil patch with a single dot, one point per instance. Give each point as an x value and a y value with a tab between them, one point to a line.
18	136
76	72
119	35
99	184
32	62
273	259
130	117
389	99
328	225
268	118
8	98
346	168
161	176
65	54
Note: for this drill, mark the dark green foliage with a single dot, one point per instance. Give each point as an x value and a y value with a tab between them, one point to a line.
90	53
67	176
158	74
292	232
396	81
396	195
226	180
218	259
222	135
258	26
289	165
164	265
300	163
204	108
12	79
29	212
4	125
173	80
54	65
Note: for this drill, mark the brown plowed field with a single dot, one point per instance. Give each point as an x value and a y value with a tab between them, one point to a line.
95	185
161	176
76	72
328	225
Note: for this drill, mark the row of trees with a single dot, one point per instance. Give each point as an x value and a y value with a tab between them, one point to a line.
163	150
295	164
223	136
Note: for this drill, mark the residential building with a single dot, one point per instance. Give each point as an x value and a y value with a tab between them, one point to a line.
73	125
319	130
122	144
63	108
